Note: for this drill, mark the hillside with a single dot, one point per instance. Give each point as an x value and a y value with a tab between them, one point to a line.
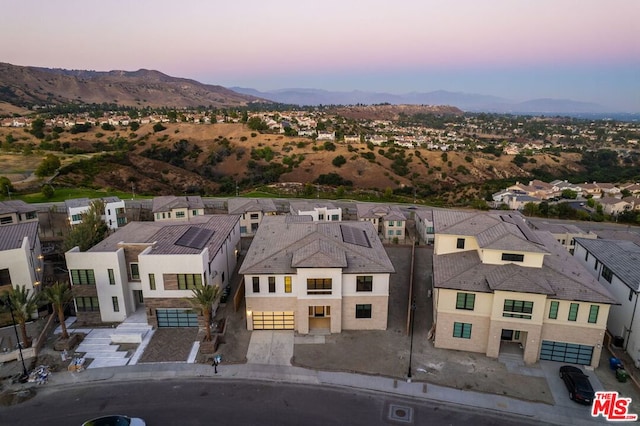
213	159
28	86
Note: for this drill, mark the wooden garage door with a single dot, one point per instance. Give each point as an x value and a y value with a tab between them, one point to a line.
273	320
566	352
177	318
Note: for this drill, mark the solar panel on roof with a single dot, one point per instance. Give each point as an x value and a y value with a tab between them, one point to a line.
354	235
195	237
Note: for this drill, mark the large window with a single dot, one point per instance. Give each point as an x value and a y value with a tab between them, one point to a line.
135	271
465	301
593	314
5	277
189	281
287	284
272	284
319	311
76	217
116	305
512	257
87	304
82	277
112	278
256	284
553	310
363	311
607	274
573	311
517	309
462	330
364	283
460	243
254	216
179	214
152	281
319	285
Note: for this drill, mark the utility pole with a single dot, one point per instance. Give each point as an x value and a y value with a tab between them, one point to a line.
133	194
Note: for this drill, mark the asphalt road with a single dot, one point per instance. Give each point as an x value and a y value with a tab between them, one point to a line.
218	402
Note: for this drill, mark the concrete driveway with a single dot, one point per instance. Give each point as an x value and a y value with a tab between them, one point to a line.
270	347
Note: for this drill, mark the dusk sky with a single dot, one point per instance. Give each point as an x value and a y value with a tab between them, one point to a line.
584	50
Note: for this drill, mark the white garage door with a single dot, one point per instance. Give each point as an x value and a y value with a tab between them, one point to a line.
273	320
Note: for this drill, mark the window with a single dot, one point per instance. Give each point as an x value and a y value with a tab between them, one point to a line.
87	304
460	243
152	281
517	309
595	265
254	216
116	306
256	284
31	215
82	277
462	330
512	257
363	311
112	278
179	215
320	216
135	271
593	314
572	242
194	213
607	274
390	232
390	223
287	284
573	311
272	284
319	311
319	285
335	217
364	283
254	227
121	221
6	220
398	223
243	229
189	281
5	277
76	217
553	310
586	256
465	301
399	232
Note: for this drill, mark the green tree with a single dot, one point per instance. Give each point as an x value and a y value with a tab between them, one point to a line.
59	294
23	305
569	194
37	128
340	191
47	191
256	123
204	296
158	127
48	166
339	161
530	209
5	186
90	231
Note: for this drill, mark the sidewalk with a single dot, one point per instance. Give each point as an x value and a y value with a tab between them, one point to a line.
278	373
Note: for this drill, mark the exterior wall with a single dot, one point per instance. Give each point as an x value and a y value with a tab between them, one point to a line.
9	219
445	244
585	336
24	264
165	267
424	228
277	303
151	304
494	257
479	332
111	217
246	222
392	226
75	211
379	313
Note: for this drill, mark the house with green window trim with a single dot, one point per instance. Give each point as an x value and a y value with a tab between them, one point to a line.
499	283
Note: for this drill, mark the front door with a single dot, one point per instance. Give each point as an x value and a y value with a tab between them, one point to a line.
506	335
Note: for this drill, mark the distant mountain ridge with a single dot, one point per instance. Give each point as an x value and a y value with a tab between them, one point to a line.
464	101
28	86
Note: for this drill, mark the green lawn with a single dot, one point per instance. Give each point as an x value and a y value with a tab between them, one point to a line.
62	194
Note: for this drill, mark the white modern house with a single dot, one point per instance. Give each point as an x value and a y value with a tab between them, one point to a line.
114	212
316	276
251	211
154	265
21	261
76	207
320	212
616	264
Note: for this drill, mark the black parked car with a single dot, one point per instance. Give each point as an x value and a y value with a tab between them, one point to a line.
577	383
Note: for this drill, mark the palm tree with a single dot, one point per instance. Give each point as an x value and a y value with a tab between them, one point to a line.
59	294
203	298
23	304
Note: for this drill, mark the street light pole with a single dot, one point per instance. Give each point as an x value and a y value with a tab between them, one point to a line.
413	322
15	329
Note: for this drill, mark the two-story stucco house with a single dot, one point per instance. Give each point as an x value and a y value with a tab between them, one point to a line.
307	276
154	265
320	212
616	264
251	211
20	256
170	207
388	220
565	234
424	225
17	211
497	282
76	207
114	212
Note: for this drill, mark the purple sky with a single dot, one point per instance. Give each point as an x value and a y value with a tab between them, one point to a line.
585	50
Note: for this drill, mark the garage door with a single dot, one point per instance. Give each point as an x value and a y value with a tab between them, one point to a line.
177	318
273	320
566	352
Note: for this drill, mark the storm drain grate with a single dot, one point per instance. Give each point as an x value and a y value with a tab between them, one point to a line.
400	413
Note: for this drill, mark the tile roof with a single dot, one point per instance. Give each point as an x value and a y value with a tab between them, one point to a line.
15	206
246	205
170	202
12	236
280	246
77	202
622	257
379	211
164	235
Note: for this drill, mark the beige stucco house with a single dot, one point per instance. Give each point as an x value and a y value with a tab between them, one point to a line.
389	220
251	211
497	283
303	275
170	207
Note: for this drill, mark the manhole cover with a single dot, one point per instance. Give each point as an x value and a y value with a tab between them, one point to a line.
400	413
